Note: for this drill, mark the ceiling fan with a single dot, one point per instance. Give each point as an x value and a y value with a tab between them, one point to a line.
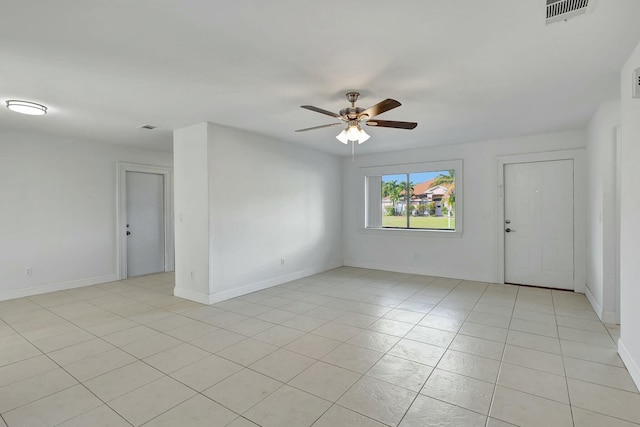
355	116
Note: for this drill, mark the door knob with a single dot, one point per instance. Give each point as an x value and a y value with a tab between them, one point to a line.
508	230
128	233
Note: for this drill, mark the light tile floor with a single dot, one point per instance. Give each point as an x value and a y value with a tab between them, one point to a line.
348	347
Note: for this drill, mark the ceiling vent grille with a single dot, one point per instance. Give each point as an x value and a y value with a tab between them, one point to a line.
148	127
561	10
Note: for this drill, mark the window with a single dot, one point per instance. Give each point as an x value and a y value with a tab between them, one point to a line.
417	197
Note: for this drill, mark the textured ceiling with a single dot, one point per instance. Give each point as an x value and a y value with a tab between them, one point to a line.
465	70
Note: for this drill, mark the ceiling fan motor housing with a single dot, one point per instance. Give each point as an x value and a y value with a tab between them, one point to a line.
352	113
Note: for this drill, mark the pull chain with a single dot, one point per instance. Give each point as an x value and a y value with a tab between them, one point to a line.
353	151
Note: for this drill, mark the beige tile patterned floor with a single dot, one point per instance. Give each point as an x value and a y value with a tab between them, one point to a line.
348	347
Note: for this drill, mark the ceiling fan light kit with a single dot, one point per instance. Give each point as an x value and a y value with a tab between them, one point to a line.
353	133
355	116
26	107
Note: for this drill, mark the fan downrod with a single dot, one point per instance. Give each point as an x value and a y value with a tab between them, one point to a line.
353	112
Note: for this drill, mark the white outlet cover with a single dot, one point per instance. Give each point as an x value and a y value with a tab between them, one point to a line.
636	83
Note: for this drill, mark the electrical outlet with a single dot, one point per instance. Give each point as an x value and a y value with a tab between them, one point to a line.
29	272
636	83
281	262
191	274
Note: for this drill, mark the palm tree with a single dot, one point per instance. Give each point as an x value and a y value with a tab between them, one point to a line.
450	197
445	179
393	190
397	190
409	186
448	181
407	192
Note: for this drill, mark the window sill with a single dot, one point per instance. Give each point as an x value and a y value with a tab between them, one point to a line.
415	232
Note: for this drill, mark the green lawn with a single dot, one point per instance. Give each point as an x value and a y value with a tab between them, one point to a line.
419	222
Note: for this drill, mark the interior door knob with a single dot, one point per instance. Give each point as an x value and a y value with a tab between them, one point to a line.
508	230
128	233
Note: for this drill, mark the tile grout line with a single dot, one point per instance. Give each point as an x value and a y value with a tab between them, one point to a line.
363	374
440	358
372	299
62	368
504	350
115	347
564	367
383	354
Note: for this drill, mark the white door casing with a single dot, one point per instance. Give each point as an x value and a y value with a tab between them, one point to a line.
122	170
618	209
538	216
145	223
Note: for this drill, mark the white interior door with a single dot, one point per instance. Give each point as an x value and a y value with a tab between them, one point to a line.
538	213
145	223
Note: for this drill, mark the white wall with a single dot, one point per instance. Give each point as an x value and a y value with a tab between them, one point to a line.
629	344
58	212
267	200
601	210
473	256
191	203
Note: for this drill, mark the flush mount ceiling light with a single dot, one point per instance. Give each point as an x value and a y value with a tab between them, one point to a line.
26	107
354	133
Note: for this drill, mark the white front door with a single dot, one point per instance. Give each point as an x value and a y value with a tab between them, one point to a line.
145	223
538	213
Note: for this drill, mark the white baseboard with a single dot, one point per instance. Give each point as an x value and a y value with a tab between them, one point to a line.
610	317
190	295
419	270
52	287
605	316
258	286
629	361
594	302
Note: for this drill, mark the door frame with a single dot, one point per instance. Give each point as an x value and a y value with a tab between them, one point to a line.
579	208
121	213
618	209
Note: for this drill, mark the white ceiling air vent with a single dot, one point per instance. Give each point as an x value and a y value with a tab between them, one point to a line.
561	10
148	127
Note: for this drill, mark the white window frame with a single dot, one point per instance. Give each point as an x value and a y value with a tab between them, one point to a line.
456	165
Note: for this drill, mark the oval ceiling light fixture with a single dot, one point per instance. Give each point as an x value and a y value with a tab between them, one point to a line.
26	107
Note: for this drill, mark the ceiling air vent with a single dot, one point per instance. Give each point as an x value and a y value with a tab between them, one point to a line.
561	10
148	127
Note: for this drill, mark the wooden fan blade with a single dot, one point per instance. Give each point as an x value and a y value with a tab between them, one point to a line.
381	107
391	124
321	111
318	127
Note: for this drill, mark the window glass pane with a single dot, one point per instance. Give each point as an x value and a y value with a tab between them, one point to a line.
394	201
422	198
432	202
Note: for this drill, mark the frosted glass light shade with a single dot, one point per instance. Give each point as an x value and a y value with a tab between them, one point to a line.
342	137
363	137
352	133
